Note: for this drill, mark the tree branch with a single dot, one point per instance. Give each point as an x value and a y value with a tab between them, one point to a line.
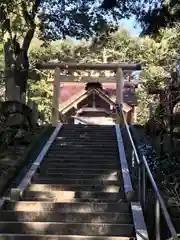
35	8
28	37
27	17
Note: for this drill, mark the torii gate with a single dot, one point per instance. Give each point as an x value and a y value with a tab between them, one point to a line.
118	68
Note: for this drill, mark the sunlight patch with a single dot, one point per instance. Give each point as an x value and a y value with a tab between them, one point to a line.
31	206
111	176
111	189
37	226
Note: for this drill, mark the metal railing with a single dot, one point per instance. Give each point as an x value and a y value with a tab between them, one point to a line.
143	174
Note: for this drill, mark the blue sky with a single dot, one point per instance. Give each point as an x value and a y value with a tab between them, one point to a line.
131	25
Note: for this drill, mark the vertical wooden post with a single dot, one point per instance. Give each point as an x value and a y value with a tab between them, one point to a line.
119	92
135	115
119	87
55	100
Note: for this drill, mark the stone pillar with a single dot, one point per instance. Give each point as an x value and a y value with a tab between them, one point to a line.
12	91
34	107
56	97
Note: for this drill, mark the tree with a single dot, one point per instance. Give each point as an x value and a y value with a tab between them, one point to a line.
156	15
49	20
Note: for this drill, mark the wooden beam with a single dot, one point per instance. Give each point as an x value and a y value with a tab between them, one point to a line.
85	79
89	66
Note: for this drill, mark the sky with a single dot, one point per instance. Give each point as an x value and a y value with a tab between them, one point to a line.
131	25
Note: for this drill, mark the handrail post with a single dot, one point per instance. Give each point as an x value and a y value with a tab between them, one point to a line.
157	220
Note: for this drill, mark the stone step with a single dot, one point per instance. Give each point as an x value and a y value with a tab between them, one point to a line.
92	229
75	157
75	187
101	137
82	165
85	148
89	126
85	133
103	145
72	196
74	147
57	177
76	144
91	131
74	181
89	142
36	206
85	159
120	218
79	152
88	130
80	175
58	237
57	171
33	197
75	139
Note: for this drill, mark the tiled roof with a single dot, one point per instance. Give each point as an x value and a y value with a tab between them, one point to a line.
65	106
129	95
70	91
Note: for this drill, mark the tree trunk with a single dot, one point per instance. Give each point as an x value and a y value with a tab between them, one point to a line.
8	72
17	67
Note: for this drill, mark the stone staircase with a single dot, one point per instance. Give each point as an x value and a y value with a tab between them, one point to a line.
77	192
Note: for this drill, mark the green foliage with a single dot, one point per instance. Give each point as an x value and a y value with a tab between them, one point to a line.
58	19
157	15
41	93
49	20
